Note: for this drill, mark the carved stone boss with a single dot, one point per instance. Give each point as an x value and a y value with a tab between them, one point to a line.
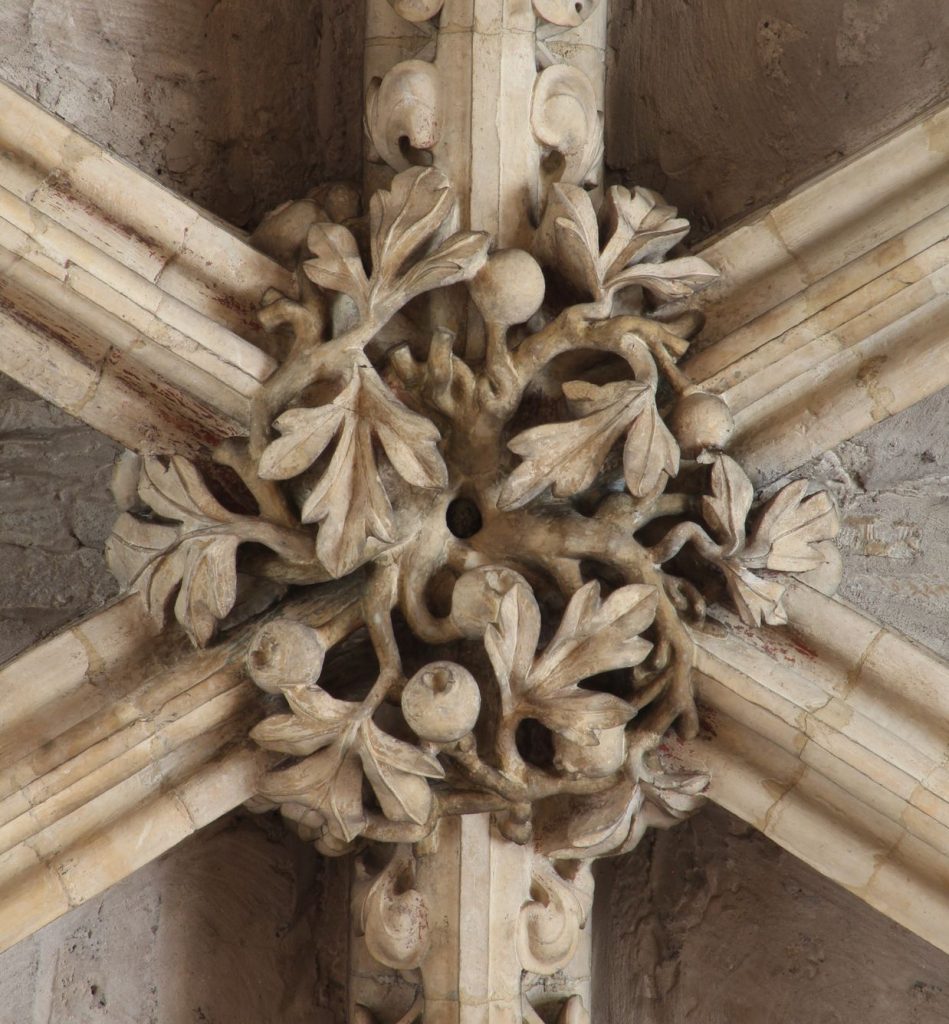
486	433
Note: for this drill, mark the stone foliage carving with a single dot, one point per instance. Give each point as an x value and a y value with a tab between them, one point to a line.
548	522
499	452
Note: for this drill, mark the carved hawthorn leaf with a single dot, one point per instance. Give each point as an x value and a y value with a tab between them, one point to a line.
567	456
154	560
569	238
349	500
306	434
756	599
329	782
512	641
640	227
409	440
208	585
397	772
650	453
673	279
405	218
458	259
337	265
176	491
604	822
317	721
594	636
135	545
730	502
790	528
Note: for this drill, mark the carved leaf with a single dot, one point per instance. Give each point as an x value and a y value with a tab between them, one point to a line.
410	441
597	636
208	585
604	823
727	508
316	722
134	545
306	434
338	749
568	456
790	528
405	218
569	237
336	264
458	259
329	782
397	773
650	453
349	499
176	491
593	637
512	642
640	227
756	599
199	558
673	279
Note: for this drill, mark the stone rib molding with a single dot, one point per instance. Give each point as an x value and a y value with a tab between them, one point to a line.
123	744
122	303
833	306
831	737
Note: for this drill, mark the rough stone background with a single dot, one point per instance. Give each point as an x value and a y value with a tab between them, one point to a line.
712	923
235	103
724	104
230	927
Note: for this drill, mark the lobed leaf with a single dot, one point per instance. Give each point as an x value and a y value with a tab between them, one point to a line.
568	456
756	599
650	452
727	508
673	279
404	218
337	265
397	772
176	491
790	528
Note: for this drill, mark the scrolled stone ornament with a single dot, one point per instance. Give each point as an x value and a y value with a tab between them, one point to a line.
566	122
402	113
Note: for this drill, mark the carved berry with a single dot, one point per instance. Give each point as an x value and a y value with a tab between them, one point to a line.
477	596
509	288
441	702
701	421
285	653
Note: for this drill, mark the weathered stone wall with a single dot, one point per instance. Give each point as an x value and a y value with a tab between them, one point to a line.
237	104
711	923
55	514
723	105
241	924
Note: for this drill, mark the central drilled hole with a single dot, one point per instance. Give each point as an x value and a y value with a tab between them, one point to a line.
463	518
